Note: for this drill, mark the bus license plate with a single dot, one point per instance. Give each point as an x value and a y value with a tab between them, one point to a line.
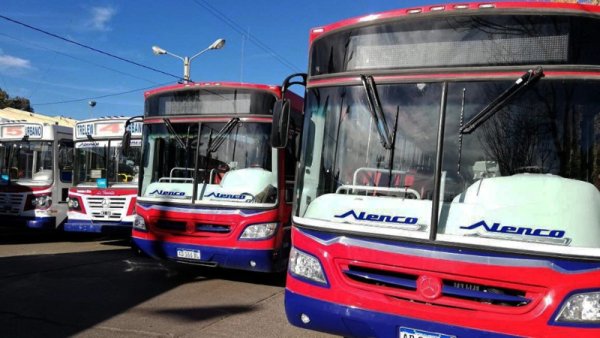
406	332
189	254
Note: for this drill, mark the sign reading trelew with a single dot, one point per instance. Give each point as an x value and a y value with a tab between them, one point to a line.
106	128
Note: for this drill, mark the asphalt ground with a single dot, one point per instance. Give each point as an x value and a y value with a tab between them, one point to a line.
59	285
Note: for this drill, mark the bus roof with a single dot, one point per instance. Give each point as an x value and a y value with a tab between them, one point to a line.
15	115
296	100
455	8
276	90
119	118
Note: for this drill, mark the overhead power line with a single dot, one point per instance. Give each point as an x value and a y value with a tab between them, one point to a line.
88	47
236	27
77	58
99	97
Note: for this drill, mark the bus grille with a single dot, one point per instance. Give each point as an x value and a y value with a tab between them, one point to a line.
213	228
107	208
11	203
171	225
461	293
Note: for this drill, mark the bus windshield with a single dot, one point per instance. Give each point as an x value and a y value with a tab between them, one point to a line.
508	181
103	159
241	167
27	161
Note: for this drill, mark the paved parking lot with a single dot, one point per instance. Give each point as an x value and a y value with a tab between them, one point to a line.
56	285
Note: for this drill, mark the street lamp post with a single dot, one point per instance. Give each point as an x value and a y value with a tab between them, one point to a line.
218	44
92	104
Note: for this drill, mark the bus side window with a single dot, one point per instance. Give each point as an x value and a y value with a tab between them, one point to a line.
65	160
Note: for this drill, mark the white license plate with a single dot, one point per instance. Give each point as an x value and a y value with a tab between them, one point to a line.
189	254
407	332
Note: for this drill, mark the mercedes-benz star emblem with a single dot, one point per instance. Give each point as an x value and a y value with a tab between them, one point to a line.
429	287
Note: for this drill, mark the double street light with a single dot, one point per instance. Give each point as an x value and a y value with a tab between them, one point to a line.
218	44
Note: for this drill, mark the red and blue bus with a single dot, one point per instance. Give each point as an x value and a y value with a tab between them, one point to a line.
449	176
213	192
106	179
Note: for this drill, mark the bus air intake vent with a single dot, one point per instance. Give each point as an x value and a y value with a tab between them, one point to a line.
452	289
216	228
171	225
484	293
382	278
11	203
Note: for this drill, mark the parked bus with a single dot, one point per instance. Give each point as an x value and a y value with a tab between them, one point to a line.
448	183
106	179
35	173
213	191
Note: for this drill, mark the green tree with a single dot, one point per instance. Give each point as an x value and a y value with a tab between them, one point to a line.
17	102
20	103
3	99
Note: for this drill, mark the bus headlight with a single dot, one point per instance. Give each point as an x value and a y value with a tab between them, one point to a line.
581	308
41	202
306	266
73	203
139	223
259	231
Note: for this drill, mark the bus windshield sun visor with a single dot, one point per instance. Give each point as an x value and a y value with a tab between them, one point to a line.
377	111
526	81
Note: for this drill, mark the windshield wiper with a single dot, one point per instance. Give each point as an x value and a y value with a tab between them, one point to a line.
216	142
526	81
377	111
213	145
174	133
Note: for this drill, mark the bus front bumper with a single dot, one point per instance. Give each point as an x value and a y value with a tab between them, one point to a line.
29	221
96	227
214	256
314	314
48	223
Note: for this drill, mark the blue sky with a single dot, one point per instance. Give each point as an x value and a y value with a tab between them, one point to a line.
47	70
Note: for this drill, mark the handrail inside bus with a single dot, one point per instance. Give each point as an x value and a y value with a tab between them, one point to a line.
213	173
375	170
176	179
180	168
405	191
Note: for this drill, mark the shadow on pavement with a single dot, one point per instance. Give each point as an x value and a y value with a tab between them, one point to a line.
22	235
58	295
62	294
203	313
192	271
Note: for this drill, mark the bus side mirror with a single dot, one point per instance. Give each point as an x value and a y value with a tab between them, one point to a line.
281	124
125	143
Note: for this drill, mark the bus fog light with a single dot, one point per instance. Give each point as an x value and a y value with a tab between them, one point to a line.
581	307
305	318
259	231
306	266
139	223
253	264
